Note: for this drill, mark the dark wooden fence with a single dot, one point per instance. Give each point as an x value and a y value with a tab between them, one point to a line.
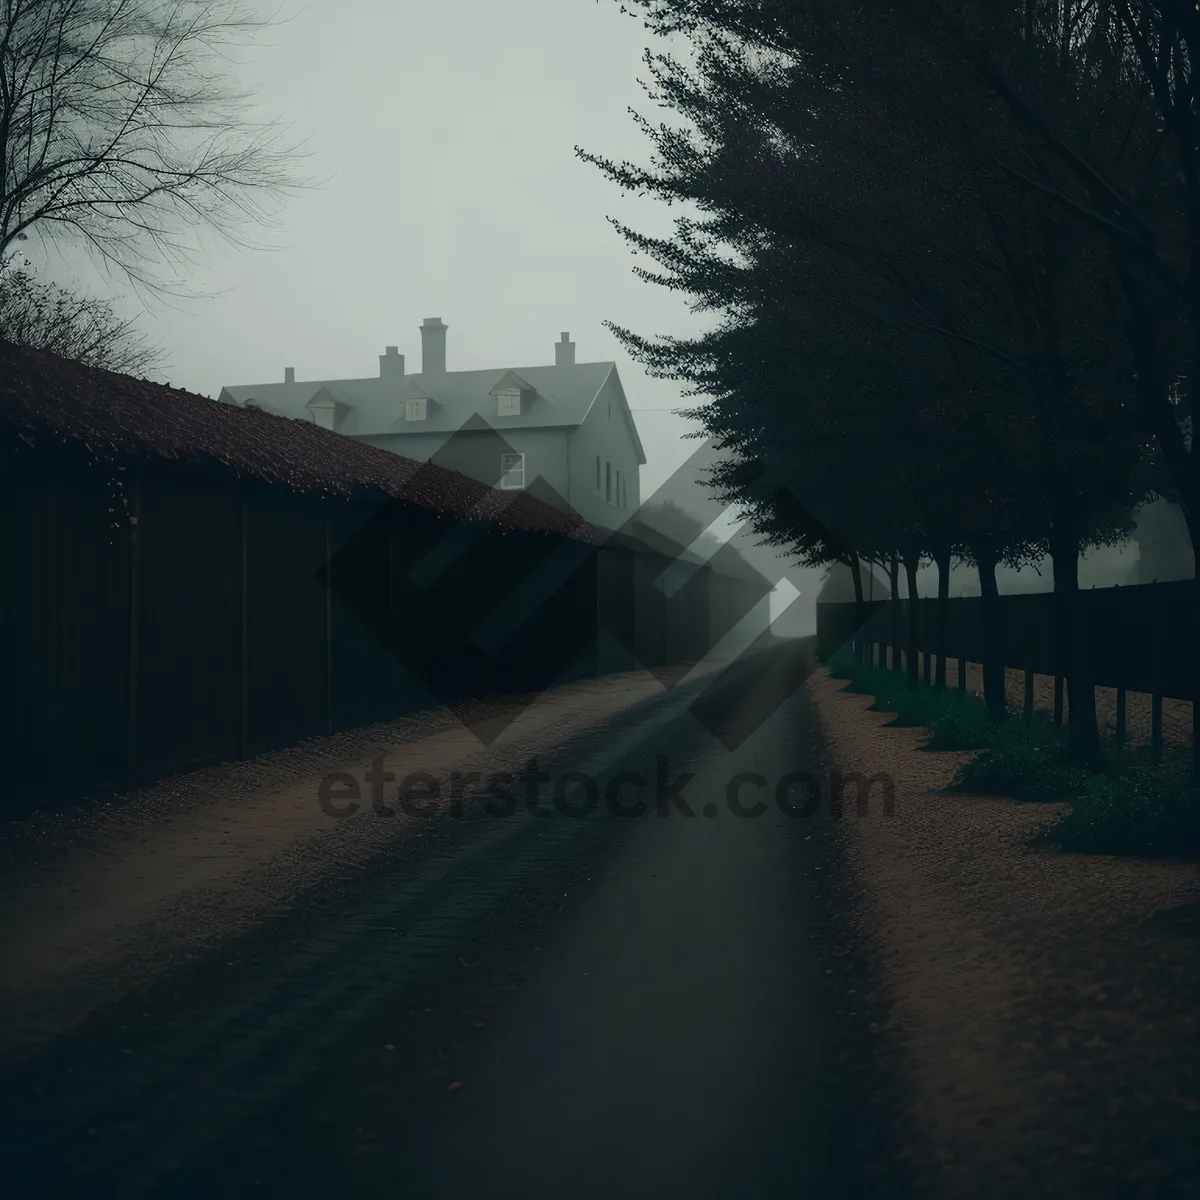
188	616
1140	638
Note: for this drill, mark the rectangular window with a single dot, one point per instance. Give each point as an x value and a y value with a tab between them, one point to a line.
512	472
414	410
508	404
608	482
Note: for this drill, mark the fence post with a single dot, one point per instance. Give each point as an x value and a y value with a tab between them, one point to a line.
1028	697
244	649
133	716
896	624
1120	714
328	627
1156	700
390	624
1058	702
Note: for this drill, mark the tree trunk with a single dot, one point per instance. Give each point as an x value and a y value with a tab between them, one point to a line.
1144	323
894	578
943	616
859	608
1083	735
1196	702
993	648
910	573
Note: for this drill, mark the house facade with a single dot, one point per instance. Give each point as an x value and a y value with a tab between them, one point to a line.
563	433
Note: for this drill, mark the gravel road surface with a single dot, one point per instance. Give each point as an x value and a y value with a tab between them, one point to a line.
554	1002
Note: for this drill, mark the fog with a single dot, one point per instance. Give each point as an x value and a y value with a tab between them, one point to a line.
443	138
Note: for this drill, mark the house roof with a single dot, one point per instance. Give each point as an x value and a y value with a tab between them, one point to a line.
44	395
563	395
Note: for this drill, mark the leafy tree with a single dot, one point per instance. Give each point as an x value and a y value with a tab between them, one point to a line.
821	361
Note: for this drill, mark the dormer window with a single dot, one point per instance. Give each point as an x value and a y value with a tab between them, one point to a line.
327	411
508	403
415	410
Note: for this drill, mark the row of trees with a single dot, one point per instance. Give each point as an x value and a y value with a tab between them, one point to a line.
952	250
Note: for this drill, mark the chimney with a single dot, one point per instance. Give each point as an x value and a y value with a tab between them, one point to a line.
289	374
564	352
433	346
391	364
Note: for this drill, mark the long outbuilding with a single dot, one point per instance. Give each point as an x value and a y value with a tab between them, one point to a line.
187	581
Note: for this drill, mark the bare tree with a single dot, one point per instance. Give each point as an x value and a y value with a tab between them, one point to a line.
121	128
45	316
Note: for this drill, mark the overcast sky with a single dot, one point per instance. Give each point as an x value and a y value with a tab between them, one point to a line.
445	133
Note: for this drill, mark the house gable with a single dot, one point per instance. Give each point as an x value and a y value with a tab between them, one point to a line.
612	391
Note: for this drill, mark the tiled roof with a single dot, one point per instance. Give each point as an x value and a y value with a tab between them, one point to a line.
374	407
43	394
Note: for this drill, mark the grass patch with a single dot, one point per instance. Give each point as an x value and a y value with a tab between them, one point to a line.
1129	805
955	719
841	665
1027	762
1141	809
965	724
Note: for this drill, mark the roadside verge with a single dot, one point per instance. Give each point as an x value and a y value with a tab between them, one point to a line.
1041	1005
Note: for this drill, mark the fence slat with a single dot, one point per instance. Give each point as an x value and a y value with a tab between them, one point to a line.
133	753
1127	660
243	634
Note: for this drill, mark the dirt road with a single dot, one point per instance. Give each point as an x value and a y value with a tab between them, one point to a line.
552	1002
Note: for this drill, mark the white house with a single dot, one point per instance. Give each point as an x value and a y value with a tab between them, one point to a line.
563	432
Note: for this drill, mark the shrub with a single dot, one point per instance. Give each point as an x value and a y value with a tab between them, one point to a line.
965	724
1131	806
956	720
841	665
1139	810
1027	762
